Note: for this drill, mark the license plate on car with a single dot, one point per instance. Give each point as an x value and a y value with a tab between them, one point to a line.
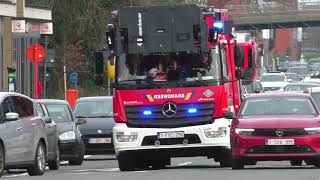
100	140
168	135
280	142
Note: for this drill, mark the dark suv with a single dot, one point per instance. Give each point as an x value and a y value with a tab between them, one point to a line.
71	145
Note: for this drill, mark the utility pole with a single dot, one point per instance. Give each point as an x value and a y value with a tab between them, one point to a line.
45	69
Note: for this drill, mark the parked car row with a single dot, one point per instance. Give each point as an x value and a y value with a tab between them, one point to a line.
36	133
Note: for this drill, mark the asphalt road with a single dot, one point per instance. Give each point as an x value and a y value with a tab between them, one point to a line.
105	167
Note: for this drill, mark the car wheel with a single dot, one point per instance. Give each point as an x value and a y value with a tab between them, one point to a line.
39	161
2	160
237	164
54	165
80	155
126	163
296	162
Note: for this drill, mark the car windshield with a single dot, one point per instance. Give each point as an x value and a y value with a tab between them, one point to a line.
298	87
278	106
293	76
94	109
178	69
59	113
272	78
316	97
299	70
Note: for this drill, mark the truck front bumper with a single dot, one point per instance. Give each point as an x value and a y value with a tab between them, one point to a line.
210	136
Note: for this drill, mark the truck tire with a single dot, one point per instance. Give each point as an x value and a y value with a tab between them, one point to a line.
296	162
126	163
237	164
78	160
225	158
54	164
39	165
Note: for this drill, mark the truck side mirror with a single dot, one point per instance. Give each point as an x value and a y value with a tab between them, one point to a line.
238	56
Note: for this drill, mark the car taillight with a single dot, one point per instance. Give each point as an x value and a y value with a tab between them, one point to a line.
119	114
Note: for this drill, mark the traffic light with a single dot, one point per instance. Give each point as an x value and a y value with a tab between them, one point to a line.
99	67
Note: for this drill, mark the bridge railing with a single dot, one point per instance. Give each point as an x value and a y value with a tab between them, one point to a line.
246	9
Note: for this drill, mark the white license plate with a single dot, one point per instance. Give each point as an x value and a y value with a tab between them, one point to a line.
168	135
280	142
100	140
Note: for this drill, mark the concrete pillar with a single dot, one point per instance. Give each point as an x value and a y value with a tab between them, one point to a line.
20	8
7	50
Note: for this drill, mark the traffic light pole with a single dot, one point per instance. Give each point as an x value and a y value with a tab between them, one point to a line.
45	70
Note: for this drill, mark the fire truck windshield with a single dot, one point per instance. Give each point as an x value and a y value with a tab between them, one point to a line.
158	71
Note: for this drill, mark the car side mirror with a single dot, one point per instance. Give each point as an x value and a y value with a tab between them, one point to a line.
228	115
48	120
81	121
11	116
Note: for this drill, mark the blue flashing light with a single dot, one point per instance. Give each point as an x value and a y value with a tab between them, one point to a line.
192	110
147	112
218	25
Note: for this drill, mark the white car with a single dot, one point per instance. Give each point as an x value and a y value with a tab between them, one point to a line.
274	81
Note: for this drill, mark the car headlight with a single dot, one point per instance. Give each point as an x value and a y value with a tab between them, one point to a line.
70	135
244	131
126	136
218	133
313	130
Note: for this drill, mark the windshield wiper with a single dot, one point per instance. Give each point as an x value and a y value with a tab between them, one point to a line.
143	80
81	117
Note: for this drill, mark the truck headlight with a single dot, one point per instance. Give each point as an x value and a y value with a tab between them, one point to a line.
70	135
126	137
244	131
313	130
218	133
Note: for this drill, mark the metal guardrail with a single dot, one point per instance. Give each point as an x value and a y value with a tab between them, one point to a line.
272	8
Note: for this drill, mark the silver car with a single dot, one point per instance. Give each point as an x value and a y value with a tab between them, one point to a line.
23	141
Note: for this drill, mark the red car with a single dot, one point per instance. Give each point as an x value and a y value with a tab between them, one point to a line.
275	127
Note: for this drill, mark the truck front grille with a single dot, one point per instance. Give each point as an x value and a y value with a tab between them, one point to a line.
182	118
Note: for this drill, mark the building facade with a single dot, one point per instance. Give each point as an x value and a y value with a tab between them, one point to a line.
20	26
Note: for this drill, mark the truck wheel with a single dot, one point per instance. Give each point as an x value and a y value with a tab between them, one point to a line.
125	163
39	161
237	164
80	155
54	165
296	162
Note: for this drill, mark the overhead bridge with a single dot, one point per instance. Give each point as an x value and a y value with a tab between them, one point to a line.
255	16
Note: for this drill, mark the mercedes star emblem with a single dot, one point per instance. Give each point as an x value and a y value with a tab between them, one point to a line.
279	132
169	109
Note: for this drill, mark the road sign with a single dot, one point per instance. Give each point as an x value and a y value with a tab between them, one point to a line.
36	53
74	77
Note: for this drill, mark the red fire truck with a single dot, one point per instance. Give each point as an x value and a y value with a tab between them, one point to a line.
177	74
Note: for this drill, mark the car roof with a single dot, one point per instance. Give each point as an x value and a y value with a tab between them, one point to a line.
4	94
52	101
95	98
282	94
303	83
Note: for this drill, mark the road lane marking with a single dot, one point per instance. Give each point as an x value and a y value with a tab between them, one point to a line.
87	156
16	175
64	162
98	170
184	164
81	173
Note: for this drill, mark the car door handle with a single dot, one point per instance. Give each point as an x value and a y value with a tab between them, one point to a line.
19	129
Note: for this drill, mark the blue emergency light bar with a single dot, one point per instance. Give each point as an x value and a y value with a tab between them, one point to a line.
218	26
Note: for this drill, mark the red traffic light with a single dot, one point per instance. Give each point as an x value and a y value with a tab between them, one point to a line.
36	53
